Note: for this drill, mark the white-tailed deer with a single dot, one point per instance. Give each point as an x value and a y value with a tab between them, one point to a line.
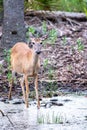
26	61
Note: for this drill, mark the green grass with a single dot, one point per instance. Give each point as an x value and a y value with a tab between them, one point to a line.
64	41
63	5
7	60
80	45
1	68
50	73
51	118
45	63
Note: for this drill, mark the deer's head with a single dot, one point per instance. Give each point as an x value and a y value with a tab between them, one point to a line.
36	44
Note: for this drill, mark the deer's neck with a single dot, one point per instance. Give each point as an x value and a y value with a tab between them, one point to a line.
35	62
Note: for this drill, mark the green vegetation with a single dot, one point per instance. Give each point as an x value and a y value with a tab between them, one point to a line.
51	118
50	73
7	57
52	5
1	67
64	42
52	86
44	27
45	63
7	60
52	33
52	36
50	70
63	5
80	45
31	30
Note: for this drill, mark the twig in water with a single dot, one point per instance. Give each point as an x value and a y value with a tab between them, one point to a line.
2	113
7	117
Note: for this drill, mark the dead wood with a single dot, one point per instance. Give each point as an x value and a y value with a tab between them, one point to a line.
2	113
73	30
57	14
7	117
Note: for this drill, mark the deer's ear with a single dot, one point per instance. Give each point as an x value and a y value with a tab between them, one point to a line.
32	39
44	37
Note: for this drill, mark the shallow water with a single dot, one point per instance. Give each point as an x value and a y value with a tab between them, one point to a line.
73	115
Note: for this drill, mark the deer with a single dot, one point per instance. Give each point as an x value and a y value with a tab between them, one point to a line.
26	61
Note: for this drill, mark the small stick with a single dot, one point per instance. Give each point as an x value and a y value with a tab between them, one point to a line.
2	113
7	117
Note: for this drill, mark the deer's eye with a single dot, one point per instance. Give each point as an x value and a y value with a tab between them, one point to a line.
33	43
30	45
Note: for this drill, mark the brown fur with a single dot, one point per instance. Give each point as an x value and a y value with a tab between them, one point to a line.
25	61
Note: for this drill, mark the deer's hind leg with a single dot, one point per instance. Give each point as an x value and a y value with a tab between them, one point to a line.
11	85
22	86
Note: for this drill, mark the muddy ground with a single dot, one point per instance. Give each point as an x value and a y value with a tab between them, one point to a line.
71	115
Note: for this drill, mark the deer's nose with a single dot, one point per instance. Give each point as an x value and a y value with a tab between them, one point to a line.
38	52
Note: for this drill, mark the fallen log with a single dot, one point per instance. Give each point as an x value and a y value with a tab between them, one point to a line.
57	14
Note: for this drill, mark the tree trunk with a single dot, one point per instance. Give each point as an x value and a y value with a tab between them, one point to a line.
13	25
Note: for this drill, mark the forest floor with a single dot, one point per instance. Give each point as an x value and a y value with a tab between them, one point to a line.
64	61
63	72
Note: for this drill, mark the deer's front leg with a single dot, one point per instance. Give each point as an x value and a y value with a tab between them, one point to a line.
27	90
36	90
